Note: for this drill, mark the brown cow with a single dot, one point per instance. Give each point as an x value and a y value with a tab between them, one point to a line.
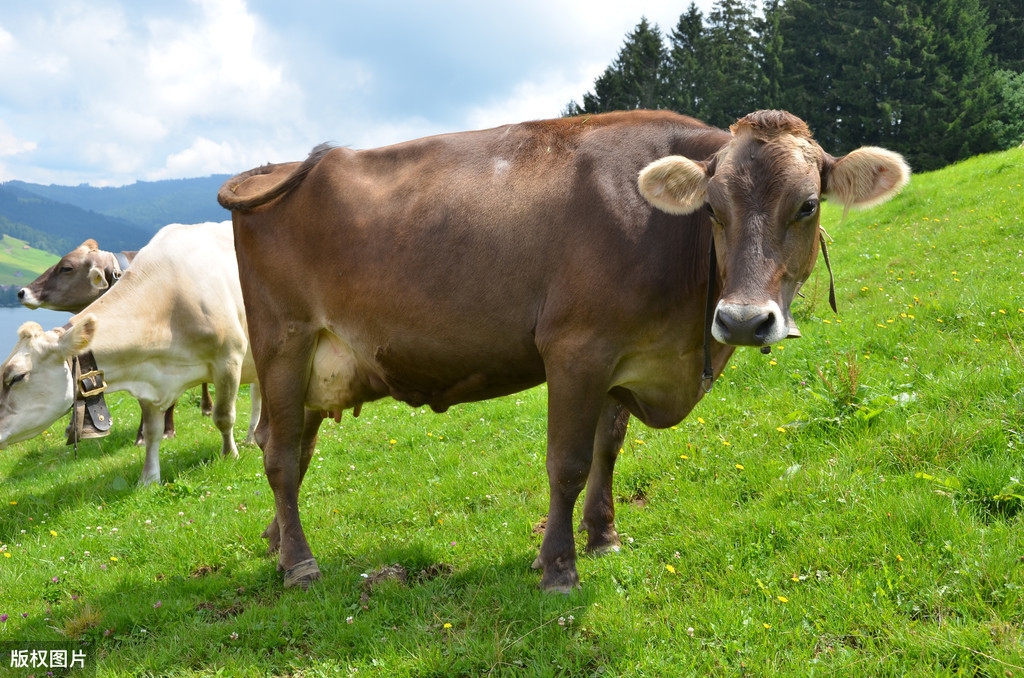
80	278
77	280
467	266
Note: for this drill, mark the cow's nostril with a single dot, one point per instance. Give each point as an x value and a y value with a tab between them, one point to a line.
765	328
21	293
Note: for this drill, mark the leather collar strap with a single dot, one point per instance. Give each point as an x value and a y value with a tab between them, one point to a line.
121	265
707	380
122	262
828	265
90	417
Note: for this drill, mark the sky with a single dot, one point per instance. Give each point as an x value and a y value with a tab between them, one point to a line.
109	92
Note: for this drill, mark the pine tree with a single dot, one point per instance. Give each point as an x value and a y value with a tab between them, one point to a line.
913	76
1007	20
636	79
687	88
733	85
768	53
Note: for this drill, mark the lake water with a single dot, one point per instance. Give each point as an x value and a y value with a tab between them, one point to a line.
12	318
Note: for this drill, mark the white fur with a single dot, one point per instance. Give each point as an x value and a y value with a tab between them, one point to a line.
866	177
674	184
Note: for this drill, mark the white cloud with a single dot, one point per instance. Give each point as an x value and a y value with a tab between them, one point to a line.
10	144
110	91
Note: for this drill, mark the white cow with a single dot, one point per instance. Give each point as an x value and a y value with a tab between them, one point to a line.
176	319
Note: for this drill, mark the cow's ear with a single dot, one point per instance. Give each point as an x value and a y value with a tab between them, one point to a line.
77	338
674	184
98	278
865	177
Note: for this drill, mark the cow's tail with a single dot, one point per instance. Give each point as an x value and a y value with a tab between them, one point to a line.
228	199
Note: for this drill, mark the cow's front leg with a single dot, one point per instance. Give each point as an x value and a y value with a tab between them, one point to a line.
573	412
153	433
599	506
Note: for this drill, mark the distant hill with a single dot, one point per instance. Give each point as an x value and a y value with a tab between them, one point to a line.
150	205
59	227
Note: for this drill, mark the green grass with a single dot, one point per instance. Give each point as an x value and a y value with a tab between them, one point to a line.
849	505
20	264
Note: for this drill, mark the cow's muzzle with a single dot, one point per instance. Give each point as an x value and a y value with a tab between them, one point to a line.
749	324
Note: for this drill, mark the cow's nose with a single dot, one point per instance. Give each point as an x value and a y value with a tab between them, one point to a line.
21	293
749	324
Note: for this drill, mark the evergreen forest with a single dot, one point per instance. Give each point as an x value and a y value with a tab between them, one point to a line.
936	80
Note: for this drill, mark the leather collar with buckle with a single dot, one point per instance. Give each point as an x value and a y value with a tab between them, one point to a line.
90	417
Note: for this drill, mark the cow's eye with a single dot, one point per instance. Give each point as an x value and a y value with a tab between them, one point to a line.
711	212
808	209
66	269
16	378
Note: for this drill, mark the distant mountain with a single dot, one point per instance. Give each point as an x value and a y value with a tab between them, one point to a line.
150	205
59	218
58	227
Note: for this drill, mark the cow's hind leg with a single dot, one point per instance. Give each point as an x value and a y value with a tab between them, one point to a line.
226	382
311	427
256	403
599	506
205	401
282	357
168	429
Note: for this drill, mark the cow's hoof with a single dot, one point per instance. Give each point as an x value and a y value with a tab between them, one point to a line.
564	581
604	549
561	582
603	541
302	574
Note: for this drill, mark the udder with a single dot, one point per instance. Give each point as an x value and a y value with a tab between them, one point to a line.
334	383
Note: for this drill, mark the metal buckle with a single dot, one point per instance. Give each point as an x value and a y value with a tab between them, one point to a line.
91	384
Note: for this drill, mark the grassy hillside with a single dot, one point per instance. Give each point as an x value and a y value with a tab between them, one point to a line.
21	264
849	505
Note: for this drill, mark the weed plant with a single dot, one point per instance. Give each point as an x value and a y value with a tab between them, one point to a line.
848	505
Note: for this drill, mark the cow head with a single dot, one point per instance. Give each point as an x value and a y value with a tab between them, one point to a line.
37	387
762	191
74	282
